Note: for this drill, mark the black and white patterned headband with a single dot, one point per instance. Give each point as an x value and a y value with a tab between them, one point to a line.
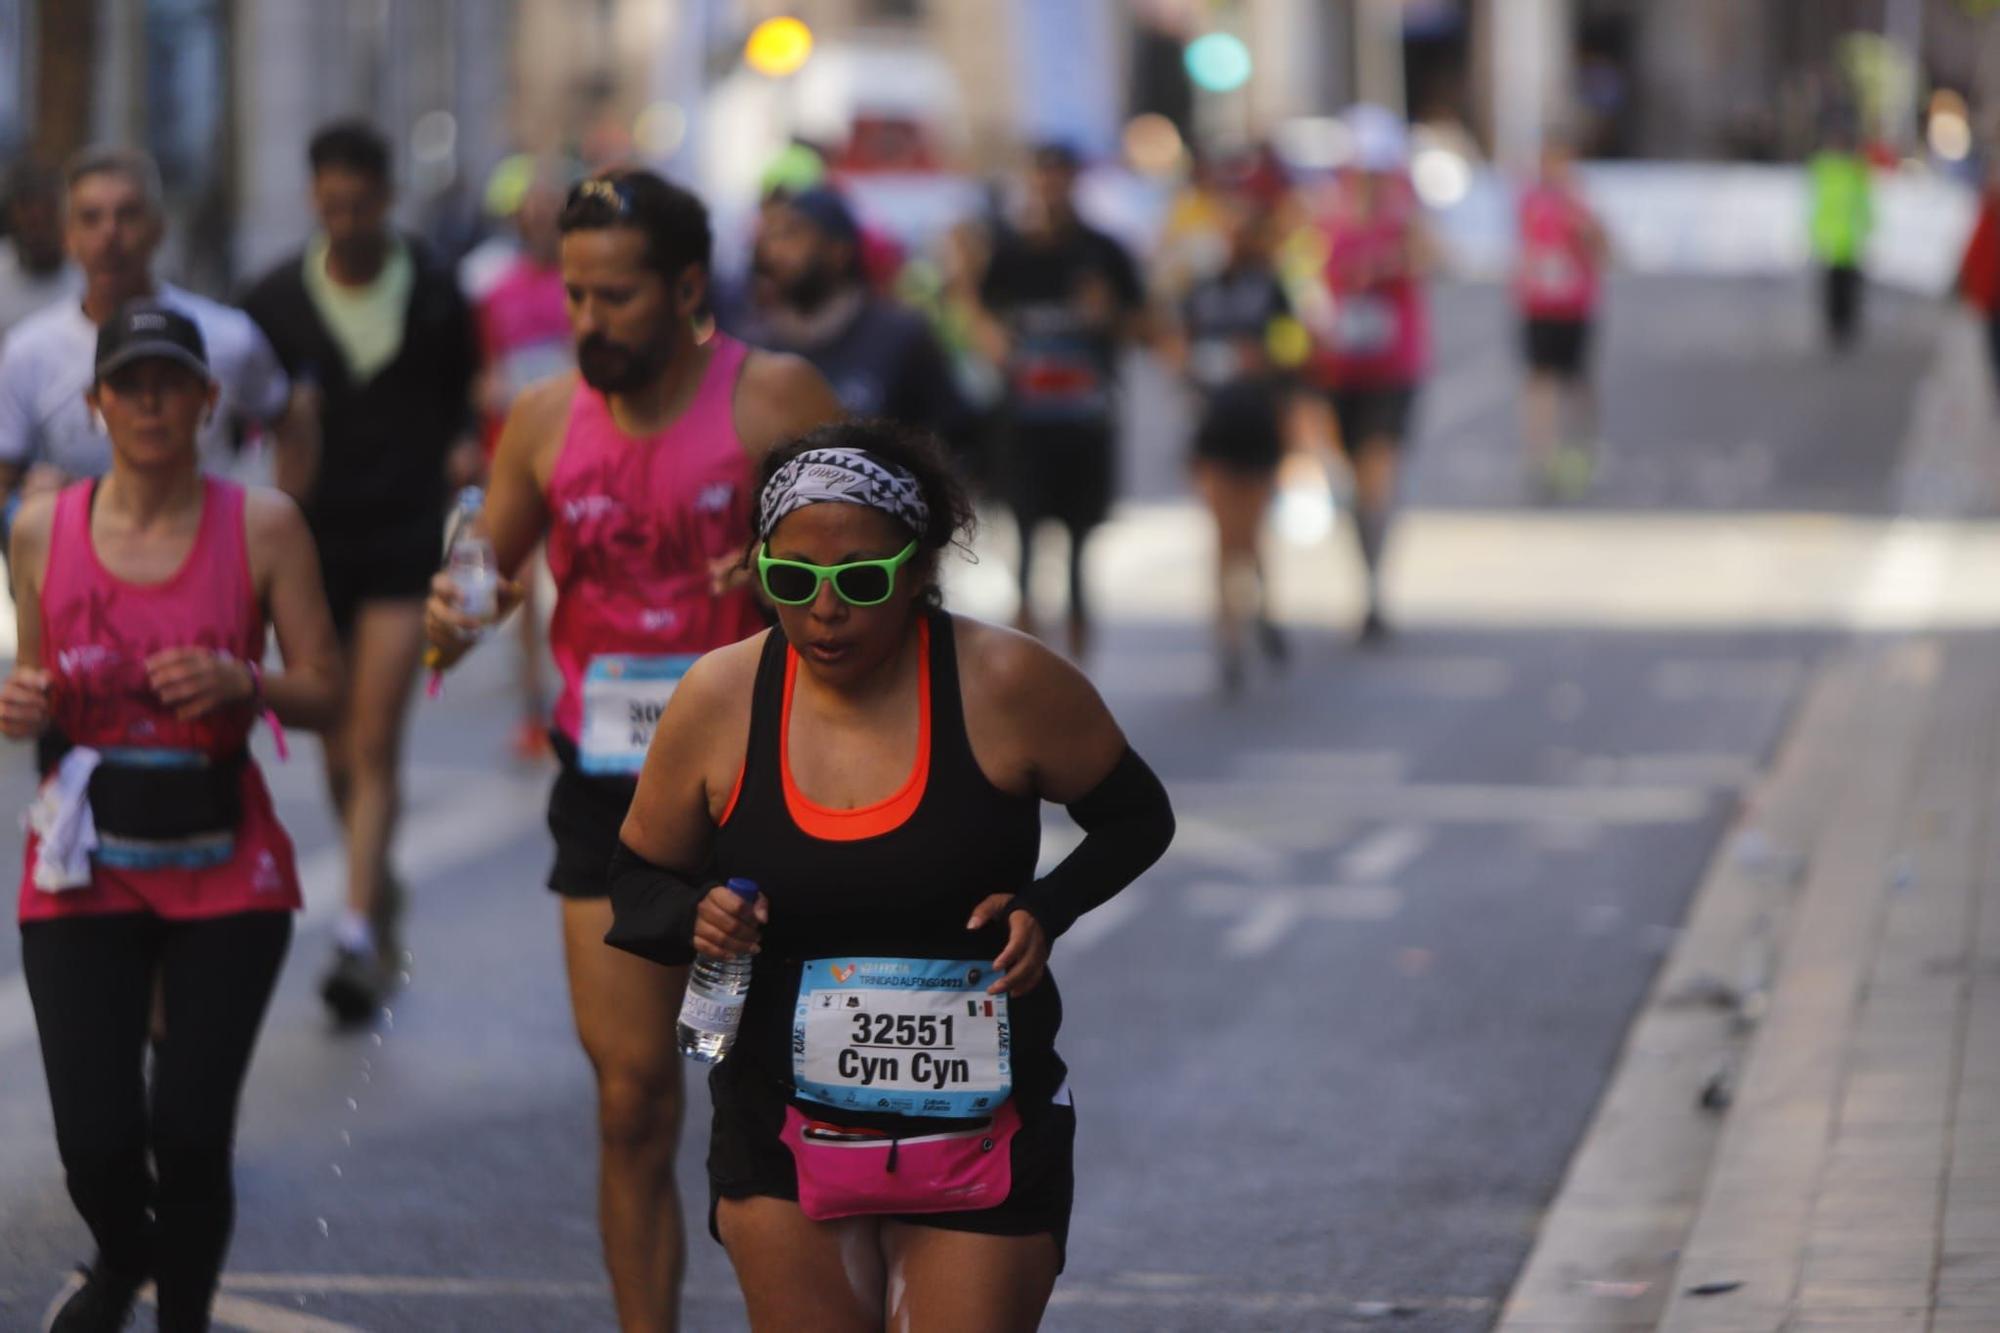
819	475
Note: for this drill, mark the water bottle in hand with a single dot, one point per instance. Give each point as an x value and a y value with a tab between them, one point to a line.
713	1007
471	562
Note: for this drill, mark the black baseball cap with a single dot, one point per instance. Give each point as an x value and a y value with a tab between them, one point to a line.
146	330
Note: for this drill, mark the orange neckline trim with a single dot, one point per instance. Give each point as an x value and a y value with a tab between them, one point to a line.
867	821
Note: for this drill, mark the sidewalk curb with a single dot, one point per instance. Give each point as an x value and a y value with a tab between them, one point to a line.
1610	1246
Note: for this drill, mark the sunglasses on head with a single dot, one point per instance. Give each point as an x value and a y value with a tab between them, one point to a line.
605	192
858	582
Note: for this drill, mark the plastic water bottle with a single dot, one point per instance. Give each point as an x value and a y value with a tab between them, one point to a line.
470	562
713	1007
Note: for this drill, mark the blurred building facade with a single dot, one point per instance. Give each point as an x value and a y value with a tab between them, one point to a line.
226	92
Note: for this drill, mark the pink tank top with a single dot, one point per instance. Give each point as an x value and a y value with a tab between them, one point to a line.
1380	336
635	525
97	632
1558	277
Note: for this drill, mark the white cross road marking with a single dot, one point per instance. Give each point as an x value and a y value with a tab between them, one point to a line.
1704	680
1702	769
1269	914
1099	924
1322	765
1449	802
1122	1290
1213	844
1384	853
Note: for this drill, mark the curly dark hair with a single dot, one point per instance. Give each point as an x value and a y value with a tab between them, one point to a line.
915	451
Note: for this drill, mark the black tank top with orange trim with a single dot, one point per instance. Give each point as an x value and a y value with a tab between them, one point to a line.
895	879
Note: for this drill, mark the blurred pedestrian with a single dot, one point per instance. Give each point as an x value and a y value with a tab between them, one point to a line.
34	271
525	338
113	224
881	359
1556	284
1235	343
1842	214
379	327
1978	284
1059	301
637	468
142	602
1375	340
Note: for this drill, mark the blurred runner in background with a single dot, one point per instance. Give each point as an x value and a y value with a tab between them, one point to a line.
1059	302
524	337
113	225
380	329
1374	332
1235	341
1557	283
34	271
812	299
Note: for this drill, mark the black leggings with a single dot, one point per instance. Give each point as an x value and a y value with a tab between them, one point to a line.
91	980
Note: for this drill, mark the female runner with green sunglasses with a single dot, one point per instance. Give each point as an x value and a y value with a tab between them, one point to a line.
877	766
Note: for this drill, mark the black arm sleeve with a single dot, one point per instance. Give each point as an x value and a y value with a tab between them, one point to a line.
1127	823
652	909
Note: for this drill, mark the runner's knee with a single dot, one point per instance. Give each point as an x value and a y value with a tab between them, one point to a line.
638	1111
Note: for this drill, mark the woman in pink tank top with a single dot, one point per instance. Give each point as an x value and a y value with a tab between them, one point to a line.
1374	340
1556	283
154	855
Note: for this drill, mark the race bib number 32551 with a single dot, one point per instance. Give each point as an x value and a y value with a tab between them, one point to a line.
623	697
910	1036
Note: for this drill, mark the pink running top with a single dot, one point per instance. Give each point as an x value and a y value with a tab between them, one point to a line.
1381	332
1558	276
97	632
635	525
524	325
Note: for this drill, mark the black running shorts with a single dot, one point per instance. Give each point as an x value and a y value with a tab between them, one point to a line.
1371	414
392	564
1559	347
585	815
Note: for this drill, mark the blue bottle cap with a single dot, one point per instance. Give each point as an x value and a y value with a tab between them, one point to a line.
746	889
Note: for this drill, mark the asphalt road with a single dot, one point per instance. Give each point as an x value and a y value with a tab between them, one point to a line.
1329	1059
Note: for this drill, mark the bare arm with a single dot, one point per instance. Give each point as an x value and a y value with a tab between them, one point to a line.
780	397
295	443
516	516
285	565
24	697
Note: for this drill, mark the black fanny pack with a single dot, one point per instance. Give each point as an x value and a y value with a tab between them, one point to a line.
167	796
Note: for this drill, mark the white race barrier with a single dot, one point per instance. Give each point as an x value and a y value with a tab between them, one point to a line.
1726	219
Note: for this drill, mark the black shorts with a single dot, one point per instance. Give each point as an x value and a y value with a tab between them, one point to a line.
1059	471
747	1160
1242	427
387	564
1559	347
585	815
1371	414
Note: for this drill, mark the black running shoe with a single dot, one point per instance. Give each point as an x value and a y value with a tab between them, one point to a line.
1277	649
101	1304
1375	629
352	988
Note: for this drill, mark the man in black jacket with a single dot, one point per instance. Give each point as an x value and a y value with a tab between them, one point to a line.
382	332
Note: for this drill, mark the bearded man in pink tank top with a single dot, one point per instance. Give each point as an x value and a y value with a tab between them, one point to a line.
637	470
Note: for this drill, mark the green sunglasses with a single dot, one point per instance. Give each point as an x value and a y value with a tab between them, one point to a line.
859	582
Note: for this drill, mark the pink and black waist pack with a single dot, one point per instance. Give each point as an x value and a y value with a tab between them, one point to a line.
855	1171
